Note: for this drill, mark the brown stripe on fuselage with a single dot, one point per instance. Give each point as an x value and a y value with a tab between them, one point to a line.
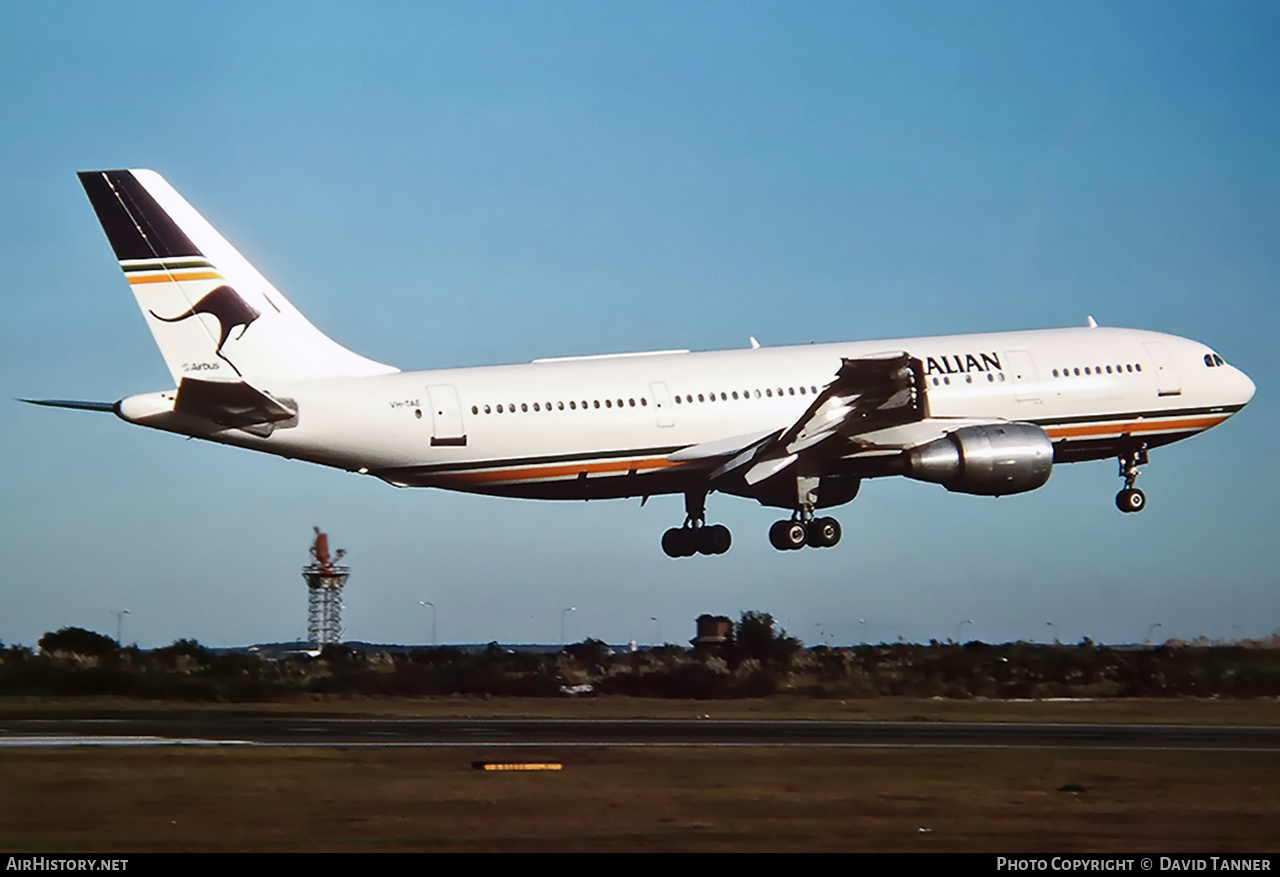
1202	422
571	470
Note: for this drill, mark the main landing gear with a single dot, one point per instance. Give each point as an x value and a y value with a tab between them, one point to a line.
803	528
695	537
1131	499
797	533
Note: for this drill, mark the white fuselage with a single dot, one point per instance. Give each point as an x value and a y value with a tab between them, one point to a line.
605	426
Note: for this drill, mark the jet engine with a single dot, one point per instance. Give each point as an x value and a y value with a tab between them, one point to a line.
985	460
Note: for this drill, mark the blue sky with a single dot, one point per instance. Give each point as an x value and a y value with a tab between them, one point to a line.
472	183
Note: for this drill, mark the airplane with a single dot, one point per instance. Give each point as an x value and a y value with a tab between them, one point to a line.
797	428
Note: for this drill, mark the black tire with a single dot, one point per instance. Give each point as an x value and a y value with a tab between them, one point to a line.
824	532
715	539
787	535
678	542
1131	499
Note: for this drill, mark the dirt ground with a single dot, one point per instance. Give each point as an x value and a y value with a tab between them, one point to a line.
688	799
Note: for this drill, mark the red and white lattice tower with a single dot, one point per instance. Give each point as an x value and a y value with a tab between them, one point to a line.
325	580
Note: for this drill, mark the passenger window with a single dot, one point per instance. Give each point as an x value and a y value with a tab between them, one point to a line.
1055	372
735	395
643	401
1086	369
475	410
596	403
1108	369
499	408
573	406
486	409
802	391
1077	371
524	406
769	393
1137	366
701	398
724	397
791	391
679	401
535	406
608	403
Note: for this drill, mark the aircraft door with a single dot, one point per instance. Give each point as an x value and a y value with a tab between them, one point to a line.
1167	383
1022	369
662	404
446	417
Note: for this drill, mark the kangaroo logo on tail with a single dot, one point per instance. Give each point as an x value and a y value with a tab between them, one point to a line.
230	310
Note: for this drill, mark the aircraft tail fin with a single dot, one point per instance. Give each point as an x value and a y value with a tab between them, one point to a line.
212	314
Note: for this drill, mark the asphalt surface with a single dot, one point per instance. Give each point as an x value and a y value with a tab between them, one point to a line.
309	731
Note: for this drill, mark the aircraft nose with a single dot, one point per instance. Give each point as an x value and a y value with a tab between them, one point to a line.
1247	387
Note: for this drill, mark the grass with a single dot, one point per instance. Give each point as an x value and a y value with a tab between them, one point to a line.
1207	711
615	799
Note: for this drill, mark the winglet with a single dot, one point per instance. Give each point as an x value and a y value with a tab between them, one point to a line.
755	345
1093	324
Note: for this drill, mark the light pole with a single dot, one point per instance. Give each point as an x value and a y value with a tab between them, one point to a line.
655	620
1052	632
1151	628
960	625
120	614
433	619
563	613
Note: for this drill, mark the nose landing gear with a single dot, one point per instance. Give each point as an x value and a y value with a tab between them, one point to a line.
1131	499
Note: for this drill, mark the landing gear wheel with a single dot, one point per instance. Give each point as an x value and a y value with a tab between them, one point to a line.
823	532
1131	499
788	535
714	539
679	542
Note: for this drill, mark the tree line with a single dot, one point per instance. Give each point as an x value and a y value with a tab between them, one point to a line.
756	659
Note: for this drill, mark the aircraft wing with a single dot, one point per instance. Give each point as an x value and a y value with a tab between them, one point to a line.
868	394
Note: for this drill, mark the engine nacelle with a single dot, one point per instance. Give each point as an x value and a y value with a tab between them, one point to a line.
985	460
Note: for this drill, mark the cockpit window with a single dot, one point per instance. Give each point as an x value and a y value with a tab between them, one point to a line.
1208	360
1218	359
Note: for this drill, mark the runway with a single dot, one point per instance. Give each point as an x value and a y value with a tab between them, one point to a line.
334	732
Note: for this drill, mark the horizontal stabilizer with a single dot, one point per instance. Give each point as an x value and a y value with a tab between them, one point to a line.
68	403
230	403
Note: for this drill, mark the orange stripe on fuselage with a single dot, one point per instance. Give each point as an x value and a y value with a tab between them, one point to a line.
571	470
1202	422
621	467
178	275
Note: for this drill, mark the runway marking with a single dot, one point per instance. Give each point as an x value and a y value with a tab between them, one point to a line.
49	740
